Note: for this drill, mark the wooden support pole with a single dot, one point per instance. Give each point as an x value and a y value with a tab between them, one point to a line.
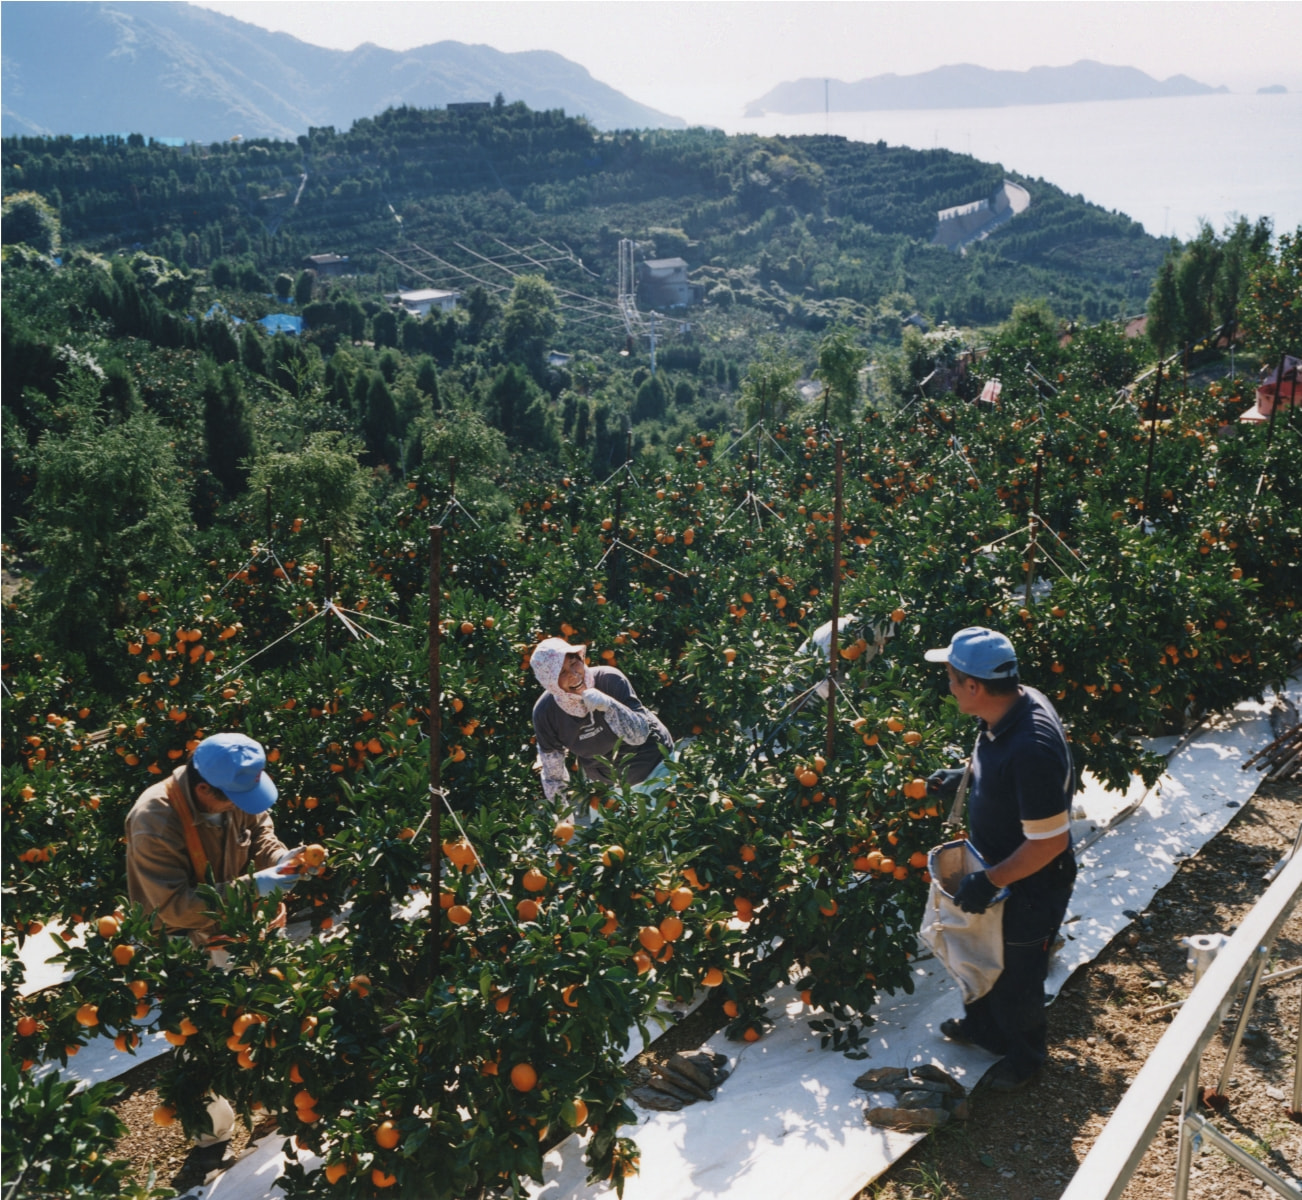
435	743
1035	525
612	575
1152	438
1274	408
833	655
330	584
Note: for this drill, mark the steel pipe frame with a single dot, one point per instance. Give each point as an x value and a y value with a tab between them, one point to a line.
1174	1062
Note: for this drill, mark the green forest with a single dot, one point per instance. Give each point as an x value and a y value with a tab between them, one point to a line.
208	525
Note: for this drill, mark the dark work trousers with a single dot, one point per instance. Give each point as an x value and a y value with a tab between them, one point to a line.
1009	1019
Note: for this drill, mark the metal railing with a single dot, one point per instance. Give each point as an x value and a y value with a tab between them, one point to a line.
1174	1064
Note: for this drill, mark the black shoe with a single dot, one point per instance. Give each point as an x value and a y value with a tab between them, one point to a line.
1004	1078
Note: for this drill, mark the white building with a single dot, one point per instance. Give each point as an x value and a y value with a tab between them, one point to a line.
426	300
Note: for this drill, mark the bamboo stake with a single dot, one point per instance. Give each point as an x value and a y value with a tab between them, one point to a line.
1035	525
435	742
612	575
1152	440
836	605
268	499
330	584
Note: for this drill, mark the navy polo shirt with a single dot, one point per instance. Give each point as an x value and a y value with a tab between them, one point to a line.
1022	779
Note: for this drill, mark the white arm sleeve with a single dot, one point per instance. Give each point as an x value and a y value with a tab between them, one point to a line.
632	728
555	775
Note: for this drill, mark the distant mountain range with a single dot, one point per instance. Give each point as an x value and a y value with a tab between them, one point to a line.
177	70
967	86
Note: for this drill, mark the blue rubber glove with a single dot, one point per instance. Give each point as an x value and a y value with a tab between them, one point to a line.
975	892
944	783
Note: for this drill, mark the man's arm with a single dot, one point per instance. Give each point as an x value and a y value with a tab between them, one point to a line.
1031	856
265	848
161	878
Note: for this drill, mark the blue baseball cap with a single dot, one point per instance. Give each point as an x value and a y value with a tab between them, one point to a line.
236	766
981	653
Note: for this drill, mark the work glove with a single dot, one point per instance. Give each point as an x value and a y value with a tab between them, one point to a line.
596	699
944	783
294	862
975	892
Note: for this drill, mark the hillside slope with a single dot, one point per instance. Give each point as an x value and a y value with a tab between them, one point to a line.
174	70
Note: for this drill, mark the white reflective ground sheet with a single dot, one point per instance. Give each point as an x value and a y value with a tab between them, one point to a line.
789	1120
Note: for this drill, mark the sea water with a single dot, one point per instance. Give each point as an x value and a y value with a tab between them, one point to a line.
1167	163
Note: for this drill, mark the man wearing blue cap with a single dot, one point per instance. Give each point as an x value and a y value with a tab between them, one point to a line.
210	812
1022	782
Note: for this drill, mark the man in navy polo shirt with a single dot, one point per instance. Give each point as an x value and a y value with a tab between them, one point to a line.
1020	822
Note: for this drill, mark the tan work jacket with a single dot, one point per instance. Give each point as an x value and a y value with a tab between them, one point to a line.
160	874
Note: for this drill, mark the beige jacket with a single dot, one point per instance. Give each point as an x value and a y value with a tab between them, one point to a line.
159	872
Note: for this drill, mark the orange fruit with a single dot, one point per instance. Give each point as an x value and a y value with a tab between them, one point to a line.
174	1039
534	880
523	1077
680	898
917	860
502	1004
335	1172
729	655
806	778
382	1180
314	855
612	854
894	724
563	832
642	961
107	927
713	977
138	988
751	1034
27	1026
651	938
748	853
912	738
567	996
730	1008
361	984
459	914
295	1073
304	1099
897	615
88	1015
528	910
830	910
164	1114
308	1027
245	1059
123	954
671	929
806	997
388	1135
126	1041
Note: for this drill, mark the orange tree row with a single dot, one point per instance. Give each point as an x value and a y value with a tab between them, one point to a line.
555	942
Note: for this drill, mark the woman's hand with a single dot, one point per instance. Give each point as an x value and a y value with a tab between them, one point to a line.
596	699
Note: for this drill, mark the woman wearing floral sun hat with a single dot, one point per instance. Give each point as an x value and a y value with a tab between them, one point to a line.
594	714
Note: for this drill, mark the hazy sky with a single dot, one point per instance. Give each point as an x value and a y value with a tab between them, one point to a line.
705	58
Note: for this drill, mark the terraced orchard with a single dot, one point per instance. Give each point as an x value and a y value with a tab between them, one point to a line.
700	581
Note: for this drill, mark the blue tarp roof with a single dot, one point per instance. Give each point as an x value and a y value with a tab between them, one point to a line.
282	323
